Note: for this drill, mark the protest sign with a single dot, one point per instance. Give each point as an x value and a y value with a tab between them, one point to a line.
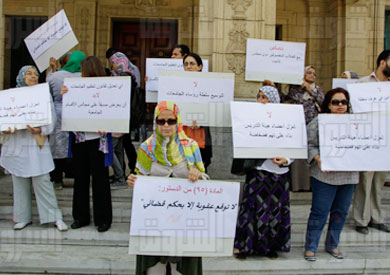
278	61
268	130
203	97
354	142
24	106
342	83
196	218
369	96
54	38
97	104
155	65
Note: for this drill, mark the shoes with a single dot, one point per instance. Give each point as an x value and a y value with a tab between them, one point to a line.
379	226
240	256
311	258
61	226
58	185
21	225
272	254
362	229
78	224
103	227
337	255
119	185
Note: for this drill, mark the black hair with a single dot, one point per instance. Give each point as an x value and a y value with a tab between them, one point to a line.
110	52
184	49
196	57
328	98
382	56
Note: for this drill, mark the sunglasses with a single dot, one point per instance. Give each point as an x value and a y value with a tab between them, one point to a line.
170	121
336	102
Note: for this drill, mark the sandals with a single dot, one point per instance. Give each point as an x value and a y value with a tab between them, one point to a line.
337	255
311	258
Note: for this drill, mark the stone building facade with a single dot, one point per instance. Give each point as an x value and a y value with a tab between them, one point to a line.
340	35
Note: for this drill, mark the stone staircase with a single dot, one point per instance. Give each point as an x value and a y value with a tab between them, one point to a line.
43	249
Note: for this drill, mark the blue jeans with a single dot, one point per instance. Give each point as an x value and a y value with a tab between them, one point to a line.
327	198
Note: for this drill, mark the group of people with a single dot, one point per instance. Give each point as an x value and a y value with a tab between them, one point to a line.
185	151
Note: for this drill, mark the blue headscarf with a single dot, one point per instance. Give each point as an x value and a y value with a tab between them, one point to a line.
272	93
20	79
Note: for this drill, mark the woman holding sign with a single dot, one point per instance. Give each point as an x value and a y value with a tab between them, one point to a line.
92	153
26	156
193	63
59	139
332	191
169	153
263	225
310	96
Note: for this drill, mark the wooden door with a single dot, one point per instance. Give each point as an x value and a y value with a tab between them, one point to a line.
145	38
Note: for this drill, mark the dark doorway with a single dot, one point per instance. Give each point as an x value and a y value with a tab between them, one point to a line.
144	38
16	55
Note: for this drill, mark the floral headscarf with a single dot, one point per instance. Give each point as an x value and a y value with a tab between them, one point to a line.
168	151
123	64
20	79
272	93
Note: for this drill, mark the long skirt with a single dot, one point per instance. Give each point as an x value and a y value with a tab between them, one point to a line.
264	217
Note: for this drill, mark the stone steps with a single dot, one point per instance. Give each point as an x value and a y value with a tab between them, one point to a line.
118	235
70	259
122	211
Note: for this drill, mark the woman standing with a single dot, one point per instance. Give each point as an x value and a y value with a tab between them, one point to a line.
58	139
332	191
168	153
263	225
193	63
26	156
310	96
92	154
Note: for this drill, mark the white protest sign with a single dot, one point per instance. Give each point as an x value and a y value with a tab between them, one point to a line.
278	61
54	38
354	142
189	215
370	96
24	106
97	104
268	130
155	65
342	83
204	97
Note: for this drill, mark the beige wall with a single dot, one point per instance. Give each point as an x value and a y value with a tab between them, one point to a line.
340	34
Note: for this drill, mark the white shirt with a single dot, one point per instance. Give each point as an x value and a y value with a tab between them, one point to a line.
271	167
21	155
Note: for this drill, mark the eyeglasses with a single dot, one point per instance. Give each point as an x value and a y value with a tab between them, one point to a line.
32	73
336	102
313	73
170	121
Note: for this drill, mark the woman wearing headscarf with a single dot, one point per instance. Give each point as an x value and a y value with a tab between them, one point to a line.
310	96
92	154
58	139
349	75
120	63
122	66
26	156
169	153
263	225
